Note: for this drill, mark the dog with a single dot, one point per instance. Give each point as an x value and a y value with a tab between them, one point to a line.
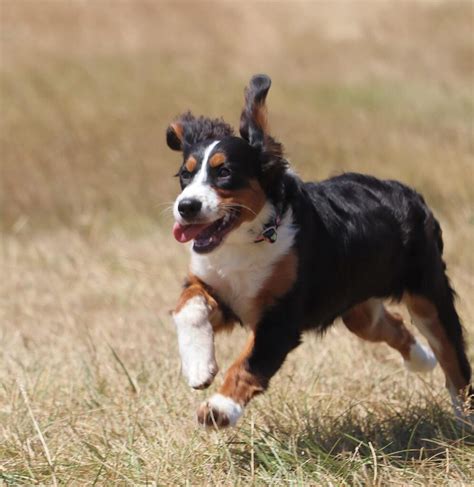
282	256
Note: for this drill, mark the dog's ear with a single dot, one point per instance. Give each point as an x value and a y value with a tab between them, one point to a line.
178	131
253	120
254	129
175	136
187	130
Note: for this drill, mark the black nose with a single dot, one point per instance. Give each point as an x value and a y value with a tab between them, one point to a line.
189	207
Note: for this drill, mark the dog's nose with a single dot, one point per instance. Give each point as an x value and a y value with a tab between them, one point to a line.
189	207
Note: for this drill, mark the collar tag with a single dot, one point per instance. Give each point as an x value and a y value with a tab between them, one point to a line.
269	233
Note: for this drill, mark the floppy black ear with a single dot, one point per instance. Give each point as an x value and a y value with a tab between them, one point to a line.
175	136
179	132
187	130
253	120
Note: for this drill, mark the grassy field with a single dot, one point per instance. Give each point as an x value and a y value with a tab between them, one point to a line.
90	386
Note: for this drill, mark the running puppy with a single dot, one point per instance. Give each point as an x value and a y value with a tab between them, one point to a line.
281	256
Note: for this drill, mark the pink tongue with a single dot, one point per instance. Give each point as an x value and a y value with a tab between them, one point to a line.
185	233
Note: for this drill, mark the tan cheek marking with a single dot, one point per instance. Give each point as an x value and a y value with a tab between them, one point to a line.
249	200
217	159
276	285
190	164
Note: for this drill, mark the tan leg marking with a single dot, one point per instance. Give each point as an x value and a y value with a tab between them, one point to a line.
371	321
425	316
195	287
239	387
239	384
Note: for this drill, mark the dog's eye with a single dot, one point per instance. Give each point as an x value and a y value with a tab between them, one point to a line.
185	175
224	173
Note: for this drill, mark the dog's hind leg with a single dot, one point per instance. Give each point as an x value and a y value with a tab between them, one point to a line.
430	301
371	321
439	322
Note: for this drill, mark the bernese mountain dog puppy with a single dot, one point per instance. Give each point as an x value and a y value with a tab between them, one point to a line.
282	256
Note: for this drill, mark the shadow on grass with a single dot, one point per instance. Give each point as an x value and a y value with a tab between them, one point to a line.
342	446
417	433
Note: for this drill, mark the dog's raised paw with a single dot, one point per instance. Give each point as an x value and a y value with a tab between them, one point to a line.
219	411
200	374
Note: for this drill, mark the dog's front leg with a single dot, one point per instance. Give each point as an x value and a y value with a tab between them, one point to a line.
264	353
193	317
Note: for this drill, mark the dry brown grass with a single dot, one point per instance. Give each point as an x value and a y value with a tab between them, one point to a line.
90	389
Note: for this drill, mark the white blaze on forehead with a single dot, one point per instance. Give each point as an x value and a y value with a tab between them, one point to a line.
201	175
200	190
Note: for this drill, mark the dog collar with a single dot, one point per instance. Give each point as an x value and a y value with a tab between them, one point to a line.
269	233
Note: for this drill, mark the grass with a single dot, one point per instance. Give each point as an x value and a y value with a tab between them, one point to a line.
90	387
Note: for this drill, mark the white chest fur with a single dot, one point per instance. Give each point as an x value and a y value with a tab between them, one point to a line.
239	268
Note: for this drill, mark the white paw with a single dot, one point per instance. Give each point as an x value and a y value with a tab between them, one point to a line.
199	371
196	343
421	358
220	411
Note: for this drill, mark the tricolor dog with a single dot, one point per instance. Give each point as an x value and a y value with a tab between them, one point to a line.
282	256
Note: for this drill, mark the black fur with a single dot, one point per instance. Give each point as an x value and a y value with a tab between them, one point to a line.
358	238
251	128
242	163
194	130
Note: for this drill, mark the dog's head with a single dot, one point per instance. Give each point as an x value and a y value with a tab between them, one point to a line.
225	180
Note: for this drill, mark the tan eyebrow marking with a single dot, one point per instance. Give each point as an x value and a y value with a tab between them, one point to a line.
190	164
217	159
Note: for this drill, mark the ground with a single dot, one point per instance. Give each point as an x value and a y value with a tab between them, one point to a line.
91	391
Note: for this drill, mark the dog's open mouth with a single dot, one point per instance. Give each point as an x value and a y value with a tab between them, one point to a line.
206	236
